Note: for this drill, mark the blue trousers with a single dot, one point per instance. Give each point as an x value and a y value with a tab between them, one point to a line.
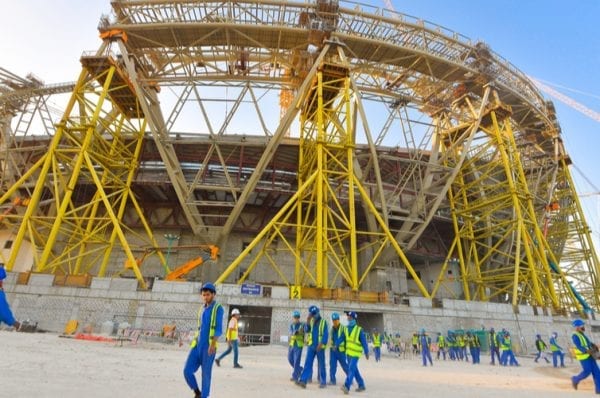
508	358
311	353
199	357
233	347
555	356
6	314
353	373
377	353
426	355
441	351
334	357
589	366
294	359
495	352
475	351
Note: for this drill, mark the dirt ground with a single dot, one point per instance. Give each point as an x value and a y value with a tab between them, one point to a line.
44	365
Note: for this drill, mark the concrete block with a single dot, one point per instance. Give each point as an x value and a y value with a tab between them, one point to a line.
123	284
280	292
184	287
162	286
100	283
448	303
41	280
11	278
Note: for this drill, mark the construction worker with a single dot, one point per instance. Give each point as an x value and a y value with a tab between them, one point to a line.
376	345
337	349
425	344
585	352
494	346
415	343
356	343
317	341
231	336
557	351
452	347
296	345
441	343
6	314
204	344
508	357
462	347
472	341
541	347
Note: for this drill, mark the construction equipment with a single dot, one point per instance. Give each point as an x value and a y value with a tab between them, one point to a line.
209	252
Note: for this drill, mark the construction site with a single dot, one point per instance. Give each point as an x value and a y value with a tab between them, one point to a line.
292	153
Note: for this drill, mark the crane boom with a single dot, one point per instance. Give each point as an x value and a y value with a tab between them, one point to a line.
566	100
209	252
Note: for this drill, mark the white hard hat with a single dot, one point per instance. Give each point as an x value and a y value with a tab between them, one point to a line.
235	311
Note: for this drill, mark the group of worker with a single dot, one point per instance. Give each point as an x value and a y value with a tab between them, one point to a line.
346	346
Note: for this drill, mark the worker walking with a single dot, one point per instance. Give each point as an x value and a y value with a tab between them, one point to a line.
557	351
585	352
296	345
494	346
356	343
425	343
6	314
474	344
508	357
337	349
231	337
204	344
541	347
376	345
317	341
441	343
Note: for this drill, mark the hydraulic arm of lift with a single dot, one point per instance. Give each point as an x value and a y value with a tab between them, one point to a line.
209	252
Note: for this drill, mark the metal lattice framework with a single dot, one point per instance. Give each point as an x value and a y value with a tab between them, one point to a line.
443	132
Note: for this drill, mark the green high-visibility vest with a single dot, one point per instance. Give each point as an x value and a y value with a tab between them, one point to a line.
321	330
377	340
583	342
354	348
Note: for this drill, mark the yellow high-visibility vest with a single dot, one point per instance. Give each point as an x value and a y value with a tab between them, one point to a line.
213	325
583	342
354	348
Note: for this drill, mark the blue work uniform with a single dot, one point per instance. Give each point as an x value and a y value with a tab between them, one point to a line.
588	363
377	347
557	352
356	344
210	324
319	334
295	349
337	353
425	342
508	357
6	314
494	348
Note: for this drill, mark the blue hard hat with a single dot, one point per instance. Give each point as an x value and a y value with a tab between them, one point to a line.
422	330
208	286
539	336
335	316
352	314
578	323
313	310
296	314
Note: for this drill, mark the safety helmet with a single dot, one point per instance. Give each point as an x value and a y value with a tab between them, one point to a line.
578	323
492	330
422	331
313	310
296	314
235	311
335	316
538	336
352	314
554	334
208	286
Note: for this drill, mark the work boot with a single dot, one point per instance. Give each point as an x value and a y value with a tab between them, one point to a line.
218	362
574	383
301	384
238	366
17	325
197	393
344	389
360	389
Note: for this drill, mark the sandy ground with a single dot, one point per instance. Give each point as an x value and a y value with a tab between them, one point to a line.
44	365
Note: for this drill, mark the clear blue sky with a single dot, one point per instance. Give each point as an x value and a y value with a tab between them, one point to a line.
553	40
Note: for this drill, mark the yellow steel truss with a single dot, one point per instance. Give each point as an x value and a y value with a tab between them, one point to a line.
330	241
74	220
499	246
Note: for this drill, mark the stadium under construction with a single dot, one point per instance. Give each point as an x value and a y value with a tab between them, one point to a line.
337	150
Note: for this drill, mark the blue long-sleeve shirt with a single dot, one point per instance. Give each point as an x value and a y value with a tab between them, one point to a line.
316	325
203	338
577	342
553	342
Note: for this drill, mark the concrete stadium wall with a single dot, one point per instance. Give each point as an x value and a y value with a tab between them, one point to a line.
119	301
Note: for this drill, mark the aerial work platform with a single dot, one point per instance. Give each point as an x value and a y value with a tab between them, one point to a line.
121	91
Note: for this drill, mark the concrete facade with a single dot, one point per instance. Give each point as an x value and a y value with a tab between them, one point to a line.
118	300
